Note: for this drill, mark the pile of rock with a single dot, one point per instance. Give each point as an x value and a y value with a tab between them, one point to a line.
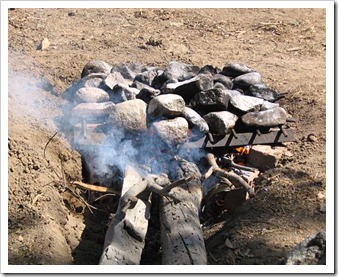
175	102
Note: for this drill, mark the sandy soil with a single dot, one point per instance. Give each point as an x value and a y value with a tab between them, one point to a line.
48	224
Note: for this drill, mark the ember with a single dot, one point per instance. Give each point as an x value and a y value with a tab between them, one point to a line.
154	129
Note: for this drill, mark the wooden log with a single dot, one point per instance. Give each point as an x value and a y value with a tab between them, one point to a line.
125	237
181	234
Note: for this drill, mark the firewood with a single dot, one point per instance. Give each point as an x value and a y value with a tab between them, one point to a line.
181	234
95	187
235	179
125	237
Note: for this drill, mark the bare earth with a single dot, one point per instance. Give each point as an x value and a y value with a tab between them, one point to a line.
49	225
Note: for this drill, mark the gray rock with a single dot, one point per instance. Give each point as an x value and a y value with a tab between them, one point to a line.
188	88
96	66
224	80
128	71
148	77
268	118
122	93
92	80
219	86
171	131
115	78
248	79
129	115
261	91
178	71
90	95
246	103
92	111
311	251
210	100
209	69
268	106
232	92
166	104
236	69
195	120
220	122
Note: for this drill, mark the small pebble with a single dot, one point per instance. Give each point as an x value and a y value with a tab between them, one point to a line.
312	138
71	14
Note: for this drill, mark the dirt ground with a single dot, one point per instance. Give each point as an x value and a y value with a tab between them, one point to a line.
49	224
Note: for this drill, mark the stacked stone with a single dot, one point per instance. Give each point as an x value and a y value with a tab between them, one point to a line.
174	102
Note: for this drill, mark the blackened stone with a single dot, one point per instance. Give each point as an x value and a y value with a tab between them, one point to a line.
221	122
96	66
210	100
261	91
248	79
268	118
148	93
226	81
209	69
189	88
147	77
235	69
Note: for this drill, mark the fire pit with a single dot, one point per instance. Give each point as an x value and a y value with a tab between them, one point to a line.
182	132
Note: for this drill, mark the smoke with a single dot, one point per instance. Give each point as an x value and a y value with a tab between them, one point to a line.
29	102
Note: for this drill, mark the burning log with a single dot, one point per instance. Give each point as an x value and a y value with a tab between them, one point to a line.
181	234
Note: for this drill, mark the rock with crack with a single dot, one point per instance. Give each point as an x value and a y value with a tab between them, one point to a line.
210	100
